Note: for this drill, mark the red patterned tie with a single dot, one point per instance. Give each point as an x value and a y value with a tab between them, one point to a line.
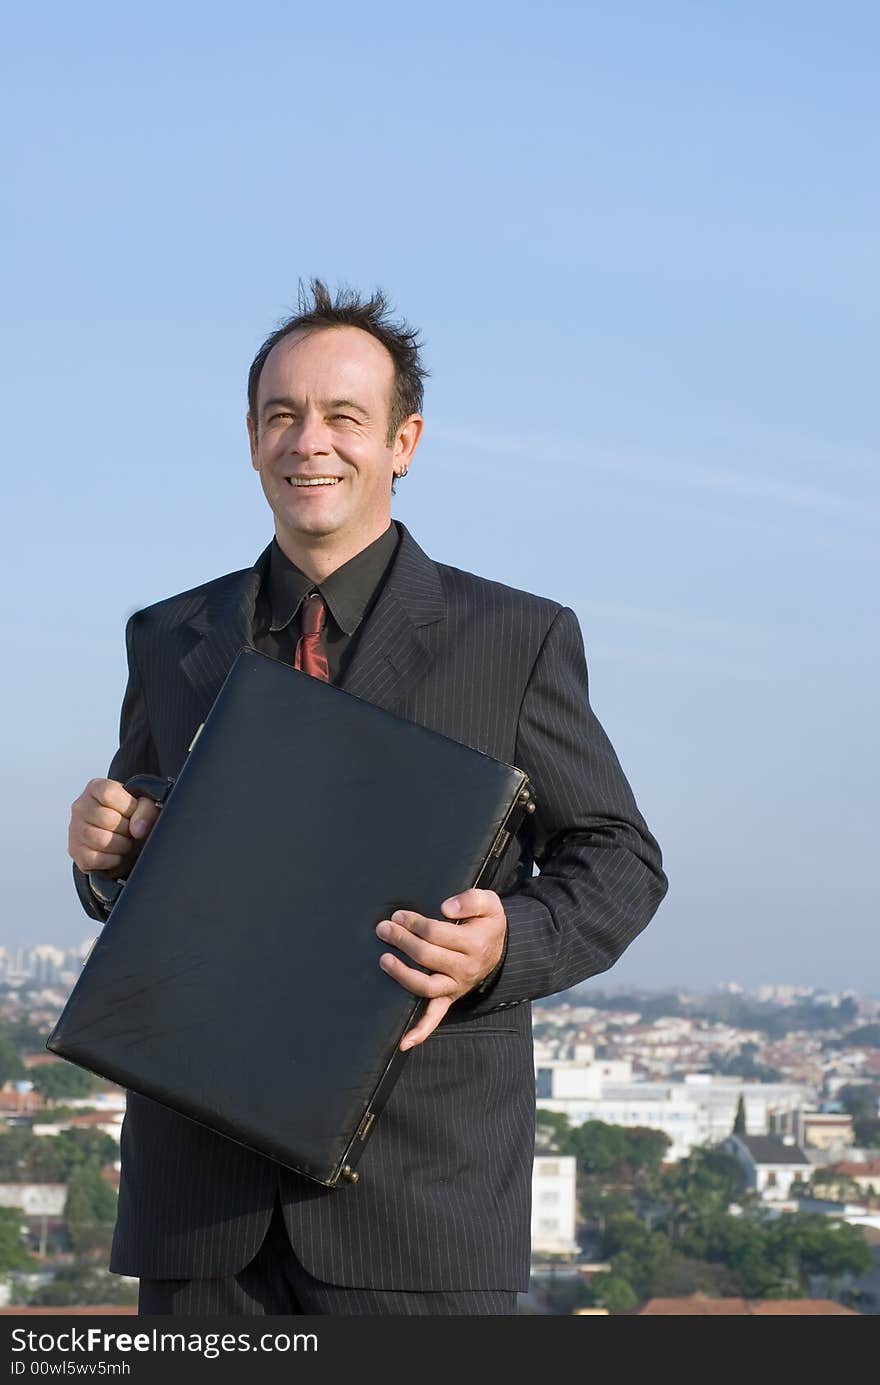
311	656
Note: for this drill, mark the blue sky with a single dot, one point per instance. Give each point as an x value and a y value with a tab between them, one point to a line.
640	241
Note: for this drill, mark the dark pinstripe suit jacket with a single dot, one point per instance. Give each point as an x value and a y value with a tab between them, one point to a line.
444	1195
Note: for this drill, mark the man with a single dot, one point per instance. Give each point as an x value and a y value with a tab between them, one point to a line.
439	1221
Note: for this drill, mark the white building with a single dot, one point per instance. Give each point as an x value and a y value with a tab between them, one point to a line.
34	1199
571	1079
554	1205
109	1124
698	1110
771	1165
46	963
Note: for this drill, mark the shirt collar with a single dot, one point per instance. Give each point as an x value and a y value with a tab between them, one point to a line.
348	591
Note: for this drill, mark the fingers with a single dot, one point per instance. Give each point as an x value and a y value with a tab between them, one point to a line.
102	819
434	1013
107	826
107	793
432	984
404	926
102	861
471	904
414	937
100	839
455	958
142	819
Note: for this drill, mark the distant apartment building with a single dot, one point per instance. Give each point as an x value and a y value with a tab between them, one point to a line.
553	1205
814	1129
570	1077
771	1166
40	964
699	1109
842	1178
34	1199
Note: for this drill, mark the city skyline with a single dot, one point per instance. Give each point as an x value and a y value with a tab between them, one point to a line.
22	961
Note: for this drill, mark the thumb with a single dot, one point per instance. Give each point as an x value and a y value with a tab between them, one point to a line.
143	818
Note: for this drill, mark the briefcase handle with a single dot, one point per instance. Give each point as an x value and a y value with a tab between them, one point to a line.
149	786
105	889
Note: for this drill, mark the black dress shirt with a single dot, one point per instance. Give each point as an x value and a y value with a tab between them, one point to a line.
349	594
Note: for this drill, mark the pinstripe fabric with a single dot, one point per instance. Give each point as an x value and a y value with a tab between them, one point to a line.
275	1283
444	1196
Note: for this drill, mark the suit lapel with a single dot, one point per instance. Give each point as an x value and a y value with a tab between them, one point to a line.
222	626
391	654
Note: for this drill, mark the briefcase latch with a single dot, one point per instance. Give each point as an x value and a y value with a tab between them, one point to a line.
348	1174
525	800
366	1125
500	842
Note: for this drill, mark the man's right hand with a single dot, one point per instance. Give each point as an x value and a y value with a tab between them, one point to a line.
108	827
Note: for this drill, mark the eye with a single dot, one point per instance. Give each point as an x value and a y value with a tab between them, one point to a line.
342	418
280	415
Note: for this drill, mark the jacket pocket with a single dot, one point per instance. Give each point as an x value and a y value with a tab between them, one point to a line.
468	1031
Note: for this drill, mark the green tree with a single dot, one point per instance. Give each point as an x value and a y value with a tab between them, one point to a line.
563	1295
776	1259
84	1286
61	1080
552	1132
741	1244
13	1254
819	1247
699	1188
615	1293
861	1100
624	1231
867	1132
739	1123
12	1069
24	1036
600	1149
86	1146
646	1150
643	1261
90	1209
598	1205
688	1274
867	1035
25	1157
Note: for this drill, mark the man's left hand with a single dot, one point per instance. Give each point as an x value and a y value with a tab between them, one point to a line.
457	956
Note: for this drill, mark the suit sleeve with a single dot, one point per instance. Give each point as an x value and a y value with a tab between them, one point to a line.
601	876
136	754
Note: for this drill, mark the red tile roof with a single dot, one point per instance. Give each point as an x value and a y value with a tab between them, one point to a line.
801	1307
698	1305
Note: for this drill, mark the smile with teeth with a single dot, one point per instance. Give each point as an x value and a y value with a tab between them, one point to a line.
314	480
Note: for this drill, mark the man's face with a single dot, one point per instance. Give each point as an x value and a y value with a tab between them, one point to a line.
322	418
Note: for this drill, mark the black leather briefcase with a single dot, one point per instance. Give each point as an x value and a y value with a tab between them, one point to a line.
237	979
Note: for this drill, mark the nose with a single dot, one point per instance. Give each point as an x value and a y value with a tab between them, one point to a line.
311	437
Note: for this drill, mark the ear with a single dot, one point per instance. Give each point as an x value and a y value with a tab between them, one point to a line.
407	441
252	439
